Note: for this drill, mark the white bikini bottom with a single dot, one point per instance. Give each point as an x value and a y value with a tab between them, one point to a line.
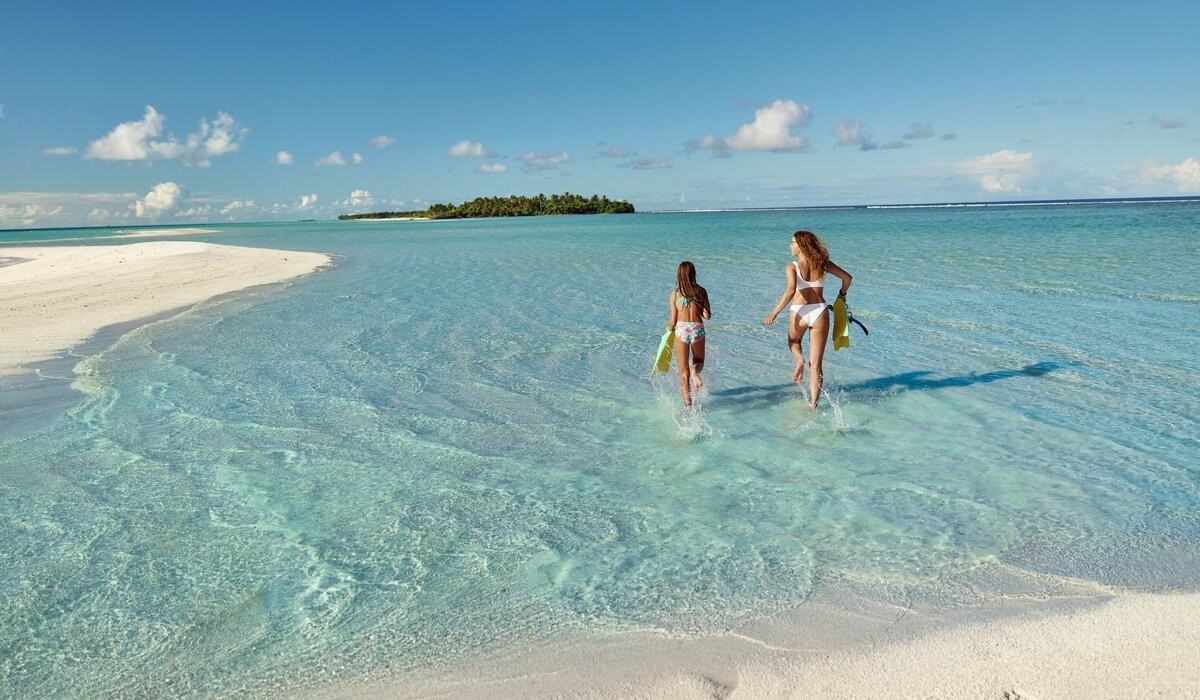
809	312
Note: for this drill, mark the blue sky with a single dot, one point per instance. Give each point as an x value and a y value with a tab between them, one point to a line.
143	113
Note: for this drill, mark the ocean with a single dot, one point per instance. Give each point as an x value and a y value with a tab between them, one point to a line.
448	446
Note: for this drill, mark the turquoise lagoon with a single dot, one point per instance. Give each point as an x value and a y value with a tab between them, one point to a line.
448	447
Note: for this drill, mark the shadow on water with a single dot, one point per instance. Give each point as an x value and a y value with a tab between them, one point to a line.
766	396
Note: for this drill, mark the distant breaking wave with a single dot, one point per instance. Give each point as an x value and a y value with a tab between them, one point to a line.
949	205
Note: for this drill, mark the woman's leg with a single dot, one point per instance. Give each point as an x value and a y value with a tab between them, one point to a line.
796	330
697	362
816	357
684	361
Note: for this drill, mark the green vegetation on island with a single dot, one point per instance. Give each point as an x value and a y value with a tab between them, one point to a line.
514	205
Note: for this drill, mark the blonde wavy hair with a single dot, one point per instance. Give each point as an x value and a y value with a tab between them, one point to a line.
812	248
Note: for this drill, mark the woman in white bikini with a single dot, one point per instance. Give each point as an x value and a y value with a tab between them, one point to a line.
805	293
689	307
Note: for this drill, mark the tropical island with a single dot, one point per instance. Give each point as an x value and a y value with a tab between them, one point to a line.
513	205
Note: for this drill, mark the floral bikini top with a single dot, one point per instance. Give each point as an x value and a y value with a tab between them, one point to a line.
681	300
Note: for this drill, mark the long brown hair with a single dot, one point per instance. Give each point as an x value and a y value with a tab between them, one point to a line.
685	282
812	249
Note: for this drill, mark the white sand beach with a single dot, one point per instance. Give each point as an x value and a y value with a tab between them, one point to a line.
53	298
1131	645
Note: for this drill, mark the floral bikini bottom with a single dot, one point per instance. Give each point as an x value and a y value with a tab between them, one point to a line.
689	331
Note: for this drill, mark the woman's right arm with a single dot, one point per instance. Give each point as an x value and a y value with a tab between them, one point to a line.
790	273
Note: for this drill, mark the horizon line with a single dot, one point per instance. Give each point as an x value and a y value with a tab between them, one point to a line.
1180	199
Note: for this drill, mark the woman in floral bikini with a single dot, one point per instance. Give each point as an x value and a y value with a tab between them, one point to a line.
689	307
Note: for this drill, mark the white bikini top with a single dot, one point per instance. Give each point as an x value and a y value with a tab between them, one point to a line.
803	283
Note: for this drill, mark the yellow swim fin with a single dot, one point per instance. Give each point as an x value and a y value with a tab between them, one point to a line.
841	325
666	348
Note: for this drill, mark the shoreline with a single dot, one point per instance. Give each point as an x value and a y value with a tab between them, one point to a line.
57	297
1111	643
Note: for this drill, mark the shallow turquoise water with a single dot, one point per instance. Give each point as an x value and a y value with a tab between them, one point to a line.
448	445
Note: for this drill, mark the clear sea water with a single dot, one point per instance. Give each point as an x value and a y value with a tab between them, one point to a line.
448	445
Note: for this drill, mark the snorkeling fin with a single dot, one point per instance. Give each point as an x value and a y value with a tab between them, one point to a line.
841	326
666	347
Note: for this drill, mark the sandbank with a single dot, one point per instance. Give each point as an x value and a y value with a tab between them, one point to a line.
1129	644
56	297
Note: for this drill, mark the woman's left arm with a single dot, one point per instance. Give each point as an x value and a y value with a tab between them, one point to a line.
841	274
707	311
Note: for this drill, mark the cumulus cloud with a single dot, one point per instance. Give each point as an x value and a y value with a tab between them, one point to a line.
535	162
357	158
307	200
216	138
1184	175
284	158
164	198
383	141
771	130
239	206
892	145
1002	171
334	158
1164	123
1	110
492	168
22	215
468	149
59	151
949	137
360	198
849	132
919	131
140	140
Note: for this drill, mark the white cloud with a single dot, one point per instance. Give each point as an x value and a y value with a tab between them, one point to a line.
129	140
771	130
468	149
360	198
544	161
138	140
1	110
26	215
60	151
334	158
849	133
383	141
284	158
239	206
216	138
204	212
165	197
307	200
1185	175
492	168
1002	171
357	158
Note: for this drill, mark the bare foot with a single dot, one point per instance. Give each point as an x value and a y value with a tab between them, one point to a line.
812	406
799	373
696	381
